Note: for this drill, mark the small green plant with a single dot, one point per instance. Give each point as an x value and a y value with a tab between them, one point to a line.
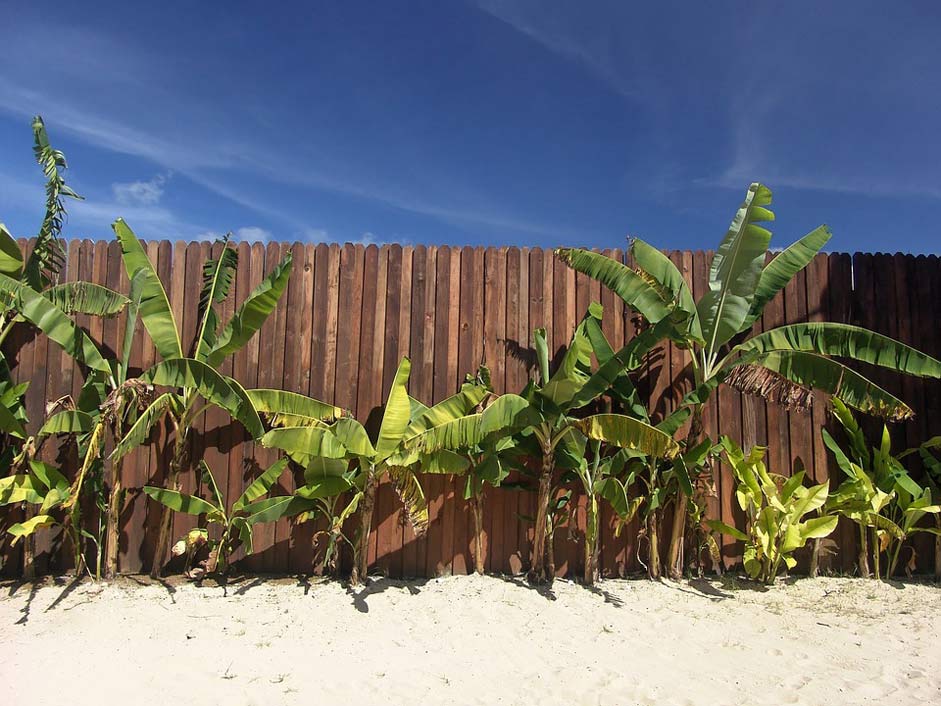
606	476
879	495
775	507
236	522
54	501
340	457
475	446
928	451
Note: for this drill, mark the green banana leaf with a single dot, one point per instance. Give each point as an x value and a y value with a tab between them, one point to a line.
19	488
661	268
821	373
155	311
629	358
782	268
636	291
352	435
142	427
290	409
28	527
627	432
218	275
541	346
735	270
272	509
221	391
9	424
54	323
305	442
722	528
397	413
470	430
68	422
181	502
86	298
261	485
844	341
11	259
253	312
448	409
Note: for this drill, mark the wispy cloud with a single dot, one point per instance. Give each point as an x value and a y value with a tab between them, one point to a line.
571	32
212	160
140	193
314	235
253	234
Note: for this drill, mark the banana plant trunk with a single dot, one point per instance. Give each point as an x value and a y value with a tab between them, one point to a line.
113	522
537	572
862	558
675	560
937	548
654	570
592	545
29	549
814	559
361	560
478	508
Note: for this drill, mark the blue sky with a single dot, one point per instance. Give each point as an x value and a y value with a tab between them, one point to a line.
516	122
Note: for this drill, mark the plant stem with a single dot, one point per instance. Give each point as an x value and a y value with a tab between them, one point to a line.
29	548
591	541
361	560
814	558
937	548
477	504
678	532
537	572
863	556
876	551
112	526
893	563
653	537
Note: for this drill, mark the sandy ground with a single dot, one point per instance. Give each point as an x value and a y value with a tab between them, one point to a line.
469	640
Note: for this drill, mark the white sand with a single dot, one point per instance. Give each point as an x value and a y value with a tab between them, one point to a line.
470	640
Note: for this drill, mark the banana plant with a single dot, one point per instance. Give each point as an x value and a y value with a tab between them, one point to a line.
553	402
30	293
481	442
326	477
107	406
775	507
879	495
605	477
45	488
322	450
193	383
663	481
235	522
928	452
25	278
782	365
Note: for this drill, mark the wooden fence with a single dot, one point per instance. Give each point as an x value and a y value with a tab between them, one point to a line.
350	313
